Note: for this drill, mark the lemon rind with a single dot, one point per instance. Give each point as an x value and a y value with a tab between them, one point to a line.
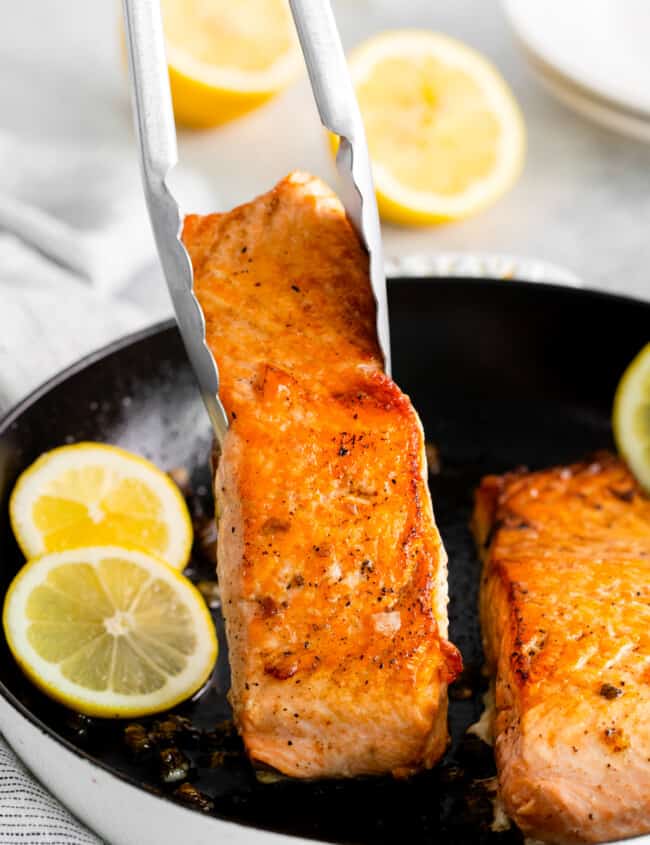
233	80
26	491
402	204
626	401
48	677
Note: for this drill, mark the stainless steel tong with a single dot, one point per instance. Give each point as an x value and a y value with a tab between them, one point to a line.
339	112
154	122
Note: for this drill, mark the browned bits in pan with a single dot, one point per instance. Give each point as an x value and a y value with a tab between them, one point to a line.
181	478
137	739
188	794
210	592
433	458
174	765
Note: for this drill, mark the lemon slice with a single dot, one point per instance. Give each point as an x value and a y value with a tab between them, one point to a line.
109	631
446	136
631	417
225	58
90	494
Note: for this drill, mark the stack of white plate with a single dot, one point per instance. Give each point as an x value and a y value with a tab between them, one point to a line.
592	54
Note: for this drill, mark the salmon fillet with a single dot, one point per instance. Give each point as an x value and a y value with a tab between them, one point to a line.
565	612
332	571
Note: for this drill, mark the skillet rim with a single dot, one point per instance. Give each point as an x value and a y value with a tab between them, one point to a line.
159	327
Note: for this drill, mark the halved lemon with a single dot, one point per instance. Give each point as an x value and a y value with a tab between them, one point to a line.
446	136
109	631
92	494
631	417
226	58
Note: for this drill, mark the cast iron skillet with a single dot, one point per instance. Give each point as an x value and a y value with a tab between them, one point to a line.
502	374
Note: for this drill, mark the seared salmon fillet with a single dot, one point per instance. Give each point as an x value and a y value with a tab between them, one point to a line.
565	612
332	571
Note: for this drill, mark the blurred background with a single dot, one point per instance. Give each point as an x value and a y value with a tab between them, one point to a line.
77	266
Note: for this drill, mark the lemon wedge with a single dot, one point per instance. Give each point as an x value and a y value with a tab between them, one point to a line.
631	417
91	494
226	58
109	631
446	136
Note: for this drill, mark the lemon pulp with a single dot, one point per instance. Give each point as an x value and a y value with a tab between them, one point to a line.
109	631
445	135
226	58
92	494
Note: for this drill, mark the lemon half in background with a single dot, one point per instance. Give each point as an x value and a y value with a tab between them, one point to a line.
631	417
90	494
227	57
446	136
109	631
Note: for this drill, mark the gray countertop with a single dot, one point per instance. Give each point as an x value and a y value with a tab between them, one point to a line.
583	200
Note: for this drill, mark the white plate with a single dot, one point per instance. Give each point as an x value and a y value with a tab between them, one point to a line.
632	123
603	46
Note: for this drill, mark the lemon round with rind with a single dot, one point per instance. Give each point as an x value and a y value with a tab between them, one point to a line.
94	493
446	136
109	631
631	417
225	59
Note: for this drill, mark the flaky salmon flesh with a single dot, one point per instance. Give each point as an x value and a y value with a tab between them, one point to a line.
565	613
333	575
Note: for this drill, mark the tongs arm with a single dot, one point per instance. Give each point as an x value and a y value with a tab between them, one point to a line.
154	120
339	112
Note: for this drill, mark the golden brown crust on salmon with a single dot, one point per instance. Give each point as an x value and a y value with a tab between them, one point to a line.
565	611
332	572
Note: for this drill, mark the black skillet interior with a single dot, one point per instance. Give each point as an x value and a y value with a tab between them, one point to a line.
502	374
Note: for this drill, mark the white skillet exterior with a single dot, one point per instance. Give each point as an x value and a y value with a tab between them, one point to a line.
119	811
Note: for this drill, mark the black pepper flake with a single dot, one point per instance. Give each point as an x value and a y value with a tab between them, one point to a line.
610	692
296	288
244	249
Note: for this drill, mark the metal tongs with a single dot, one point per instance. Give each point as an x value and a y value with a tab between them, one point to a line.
154	120
339	112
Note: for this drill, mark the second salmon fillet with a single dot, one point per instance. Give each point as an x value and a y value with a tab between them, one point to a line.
332	572
565	610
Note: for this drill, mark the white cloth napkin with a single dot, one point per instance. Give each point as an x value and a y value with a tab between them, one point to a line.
84	208
74	239
28	813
